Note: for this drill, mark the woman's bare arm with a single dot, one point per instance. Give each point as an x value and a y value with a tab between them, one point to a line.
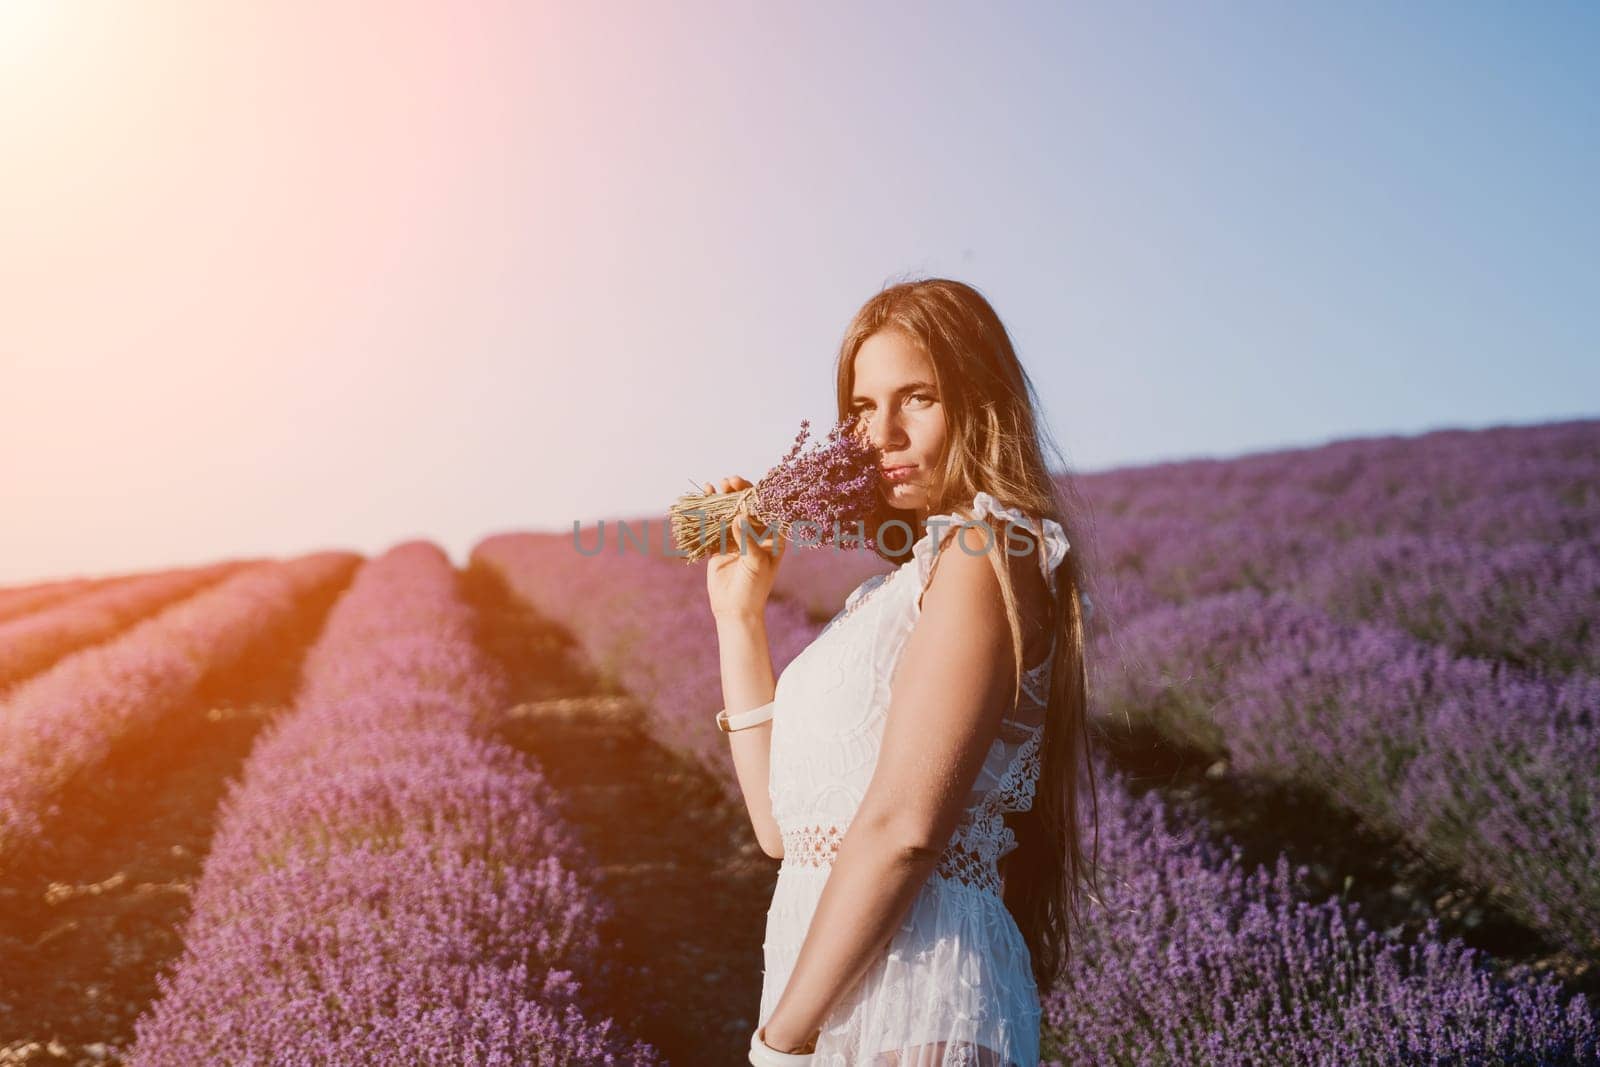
747	682
738	583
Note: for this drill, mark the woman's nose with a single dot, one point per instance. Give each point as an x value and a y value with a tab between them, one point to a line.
884	432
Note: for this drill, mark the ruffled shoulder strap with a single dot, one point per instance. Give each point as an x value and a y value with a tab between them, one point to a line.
1049	532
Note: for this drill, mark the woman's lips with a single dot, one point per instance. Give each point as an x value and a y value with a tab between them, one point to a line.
898	474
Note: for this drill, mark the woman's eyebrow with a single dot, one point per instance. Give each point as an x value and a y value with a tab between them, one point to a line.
909	387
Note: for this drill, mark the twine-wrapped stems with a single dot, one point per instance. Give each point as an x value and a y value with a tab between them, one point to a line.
703	523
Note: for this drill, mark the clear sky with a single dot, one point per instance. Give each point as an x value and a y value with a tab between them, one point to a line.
279	276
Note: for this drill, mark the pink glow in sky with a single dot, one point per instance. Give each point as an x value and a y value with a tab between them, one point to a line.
284	276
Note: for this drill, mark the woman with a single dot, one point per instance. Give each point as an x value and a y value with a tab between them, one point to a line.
910	924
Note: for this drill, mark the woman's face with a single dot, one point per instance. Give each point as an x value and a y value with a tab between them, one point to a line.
902	414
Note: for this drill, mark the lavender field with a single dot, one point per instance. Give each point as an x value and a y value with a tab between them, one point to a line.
392	810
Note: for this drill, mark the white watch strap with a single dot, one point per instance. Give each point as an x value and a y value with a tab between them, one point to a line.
763	1055
738	720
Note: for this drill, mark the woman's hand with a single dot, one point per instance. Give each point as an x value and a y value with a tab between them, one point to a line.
739	580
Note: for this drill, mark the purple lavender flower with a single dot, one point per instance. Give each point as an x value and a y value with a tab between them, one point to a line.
829	485
831	488
389	884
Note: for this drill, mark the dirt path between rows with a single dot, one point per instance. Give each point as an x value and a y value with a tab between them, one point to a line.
90	918
689	892
677	861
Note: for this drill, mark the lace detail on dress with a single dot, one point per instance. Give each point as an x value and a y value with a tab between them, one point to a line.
1036	681
961	863
812	846
1016	789
818	846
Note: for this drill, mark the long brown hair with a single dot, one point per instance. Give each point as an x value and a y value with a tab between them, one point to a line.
994	443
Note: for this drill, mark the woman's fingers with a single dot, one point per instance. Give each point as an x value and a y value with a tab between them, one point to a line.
733	484
728	485
723	485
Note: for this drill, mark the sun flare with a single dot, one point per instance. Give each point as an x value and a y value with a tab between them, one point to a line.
26	27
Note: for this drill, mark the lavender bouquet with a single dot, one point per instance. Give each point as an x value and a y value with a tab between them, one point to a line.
830	485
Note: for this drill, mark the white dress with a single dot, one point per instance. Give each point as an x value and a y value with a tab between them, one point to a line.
956	985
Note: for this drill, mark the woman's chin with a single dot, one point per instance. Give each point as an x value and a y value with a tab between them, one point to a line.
904	497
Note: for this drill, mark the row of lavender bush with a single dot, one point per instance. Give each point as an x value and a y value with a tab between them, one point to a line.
19	600
1486	542
387	883
1494	486
1440	686
644	624
1190	959
1529	603
1489	770
67	720
34	641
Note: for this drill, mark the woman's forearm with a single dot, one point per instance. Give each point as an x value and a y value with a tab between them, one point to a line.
873	883
747	682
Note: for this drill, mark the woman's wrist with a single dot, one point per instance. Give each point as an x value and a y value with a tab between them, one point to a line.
740	618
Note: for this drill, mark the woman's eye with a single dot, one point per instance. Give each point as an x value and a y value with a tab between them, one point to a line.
922	396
